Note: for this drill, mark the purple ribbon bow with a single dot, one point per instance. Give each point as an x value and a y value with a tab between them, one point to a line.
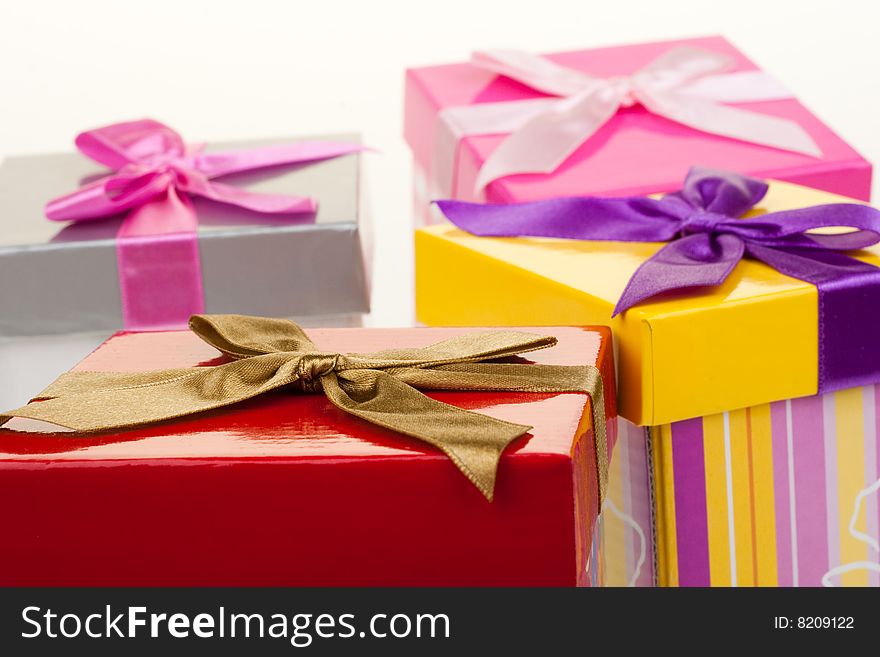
154	174
706	240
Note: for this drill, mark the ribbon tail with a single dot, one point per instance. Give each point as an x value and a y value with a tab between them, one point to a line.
107	196
738	87
263	203
104	401
474	442
534	378
71	383
213	165
468	348
548	139
501	377
732	122
793	228
692	261
574	217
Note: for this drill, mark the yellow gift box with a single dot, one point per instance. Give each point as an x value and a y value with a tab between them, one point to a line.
749	341
744	475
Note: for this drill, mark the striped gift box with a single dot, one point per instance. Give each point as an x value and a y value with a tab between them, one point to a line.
780	494
625	544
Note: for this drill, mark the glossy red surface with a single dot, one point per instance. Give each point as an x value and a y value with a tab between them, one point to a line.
288	490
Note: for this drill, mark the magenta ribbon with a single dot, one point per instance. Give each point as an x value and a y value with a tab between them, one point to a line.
154	175
707	240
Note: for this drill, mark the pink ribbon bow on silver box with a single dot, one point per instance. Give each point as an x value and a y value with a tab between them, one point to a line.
153	175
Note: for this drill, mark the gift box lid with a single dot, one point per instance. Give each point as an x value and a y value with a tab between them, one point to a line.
636	152
321	497
68	275
751	340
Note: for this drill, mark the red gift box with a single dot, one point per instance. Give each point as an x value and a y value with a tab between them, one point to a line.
286	489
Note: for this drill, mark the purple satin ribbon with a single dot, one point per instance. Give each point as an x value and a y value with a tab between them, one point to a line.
154	175
707	240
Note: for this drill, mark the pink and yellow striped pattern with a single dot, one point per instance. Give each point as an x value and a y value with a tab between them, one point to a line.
623	533
761	496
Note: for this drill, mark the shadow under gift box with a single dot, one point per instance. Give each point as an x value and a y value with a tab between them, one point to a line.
286	489
729	467
64	278
635	152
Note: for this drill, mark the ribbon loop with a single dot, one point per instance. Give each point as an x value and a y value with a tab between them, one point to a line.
143	141
243	336
720	191
680	66
270	354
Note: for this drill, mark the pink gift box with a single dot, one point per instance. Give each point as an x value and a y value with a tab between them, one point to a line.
635	153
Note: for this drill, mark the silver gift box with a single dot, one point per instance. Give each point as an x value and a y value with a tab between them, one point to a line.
58	278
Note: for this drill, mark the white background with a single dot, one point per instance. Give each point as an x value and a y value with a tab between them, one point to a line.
260	68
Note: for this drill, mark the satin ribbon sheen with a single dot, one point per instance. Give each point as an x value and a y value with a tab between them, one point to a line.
154	174
380	388
687	85
706	241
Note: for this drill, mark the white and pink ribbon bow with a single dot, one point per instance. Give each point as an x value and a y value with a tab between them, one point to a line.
686	84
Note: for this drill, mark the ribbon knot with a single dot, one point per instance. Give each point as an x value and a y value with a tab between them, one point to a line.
621	88
313	367
275	355
701	221
145	182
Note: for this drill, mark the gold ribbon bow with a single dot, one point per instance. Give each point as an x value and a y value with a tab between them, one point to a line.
378	387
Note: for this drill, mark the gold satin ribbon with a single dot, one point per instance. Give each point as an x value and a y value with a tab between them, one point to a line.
379	388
